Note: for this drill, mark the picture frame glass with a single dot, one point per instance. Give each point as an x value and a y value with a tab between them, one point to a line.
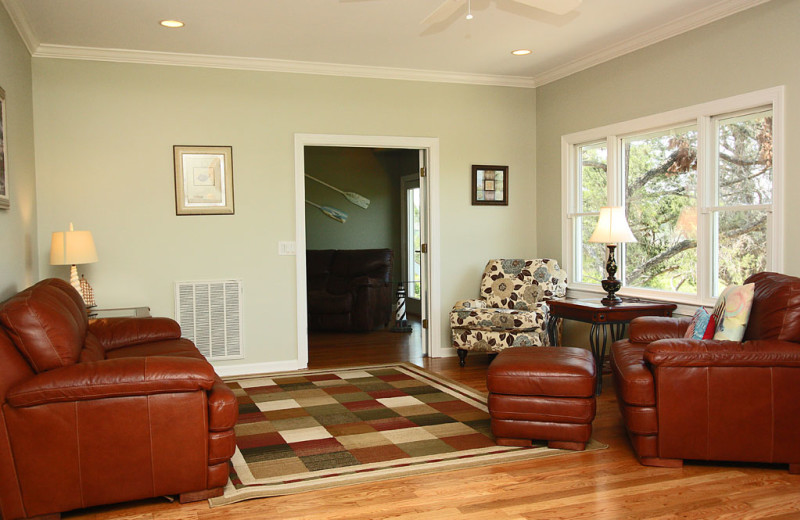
203	180
490	185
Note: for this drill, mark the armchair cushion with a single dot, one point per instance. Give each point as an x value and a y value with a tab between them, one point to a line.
498	319
519	284
114	333
114	378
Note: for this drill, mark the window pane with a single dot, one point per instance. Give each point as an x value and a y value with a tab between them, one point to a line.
414	236
741	246
745	159
594	177
661	201
593	255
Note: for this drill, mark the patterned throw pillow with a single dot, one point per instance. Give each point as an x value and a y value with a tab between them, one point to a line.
732	312
702	326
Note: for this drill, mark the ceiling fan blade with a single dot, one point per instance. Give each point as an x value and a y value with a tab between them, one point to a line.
552	6
443	12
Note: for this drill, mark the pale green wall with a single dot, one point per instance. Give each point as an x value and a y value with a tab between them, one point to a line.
104	137
18	266
752	50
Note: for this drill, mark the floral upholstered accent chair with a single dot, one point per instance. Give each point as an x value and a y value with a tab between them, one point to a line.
512	309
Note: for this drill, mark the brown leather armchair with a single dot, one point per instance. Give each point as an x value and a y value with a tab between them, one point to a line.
715	400
349	289
104	411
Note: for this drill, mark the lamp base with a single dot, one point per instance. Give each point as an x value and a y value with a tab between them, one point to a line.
611	286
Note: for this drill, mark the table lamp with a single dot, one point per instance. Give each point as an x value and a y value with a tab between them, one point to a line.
612	229
73	248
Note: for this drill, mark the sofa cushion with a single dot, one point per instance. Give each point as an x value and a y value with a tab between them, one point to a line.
776	308
176	348
732	312
48	323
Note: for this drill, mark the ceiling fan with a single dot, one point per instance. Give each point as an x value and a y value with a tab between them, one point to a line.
449	7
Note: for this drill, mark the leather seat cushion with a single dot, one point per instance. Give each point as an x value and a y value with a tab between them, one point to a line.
174	347
545	371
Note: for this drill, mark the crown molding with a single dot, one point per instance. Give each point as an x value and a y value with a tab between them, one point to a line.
272	65
684	24
20	21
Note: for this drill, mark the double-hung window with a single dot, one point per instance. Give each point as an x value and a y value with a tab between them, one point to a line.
701	189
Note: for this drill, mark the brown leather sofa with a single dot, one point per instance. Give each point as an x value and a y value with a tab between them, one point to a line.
349	289
104	411
715	400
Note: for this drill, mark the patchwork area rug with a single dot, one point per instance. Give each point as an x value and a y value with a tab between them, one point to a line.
303	431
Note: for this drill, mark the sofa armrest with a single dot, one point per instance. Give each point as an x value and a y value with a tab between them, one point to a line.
121	377
703	353
653	328
123	332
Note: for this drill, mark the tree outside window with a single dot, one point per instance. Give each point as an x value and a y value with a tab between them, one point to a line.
699	197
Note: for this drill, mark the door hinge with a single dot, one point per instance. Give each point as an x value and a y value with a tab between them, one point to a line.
425	324
422	172
423	248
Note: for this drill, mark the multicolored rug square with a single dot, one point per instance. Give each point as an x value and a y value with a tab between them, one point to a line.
302	431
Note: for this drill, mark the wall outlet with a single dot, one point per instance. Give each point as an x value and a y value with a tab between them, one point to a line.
287	248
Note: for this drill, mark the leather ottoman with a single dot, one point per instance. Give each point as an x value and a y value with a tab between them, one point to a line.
542	393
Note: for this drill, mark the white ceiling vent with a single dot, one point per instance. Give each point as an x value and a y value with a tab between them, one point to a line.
210	314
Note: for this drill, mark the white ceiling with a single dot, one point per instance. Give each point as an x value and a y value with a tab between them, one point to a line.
377	38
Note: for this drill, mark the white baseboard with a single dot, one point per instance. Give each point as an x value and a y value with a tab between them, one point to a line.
249	369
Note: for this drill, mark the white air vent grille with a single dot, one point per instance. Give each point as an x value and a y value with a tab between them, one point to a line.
210	314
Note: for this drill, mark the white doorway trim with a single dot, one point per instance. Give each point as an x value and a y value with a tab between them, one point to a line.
433	334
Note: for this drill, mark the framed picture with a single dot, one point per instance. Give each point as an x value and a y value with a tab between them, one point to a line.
5	202
203	180
489	185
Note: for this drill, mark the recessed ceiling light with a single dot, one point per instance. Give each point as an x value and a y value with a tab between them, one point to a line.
521	52
172	24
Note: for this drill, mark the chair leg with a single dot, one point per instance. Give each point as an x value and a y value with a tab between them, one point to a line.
462	357
204	494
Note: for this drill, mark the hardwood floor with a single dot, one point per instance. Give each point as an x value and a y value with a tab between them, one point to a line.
605	484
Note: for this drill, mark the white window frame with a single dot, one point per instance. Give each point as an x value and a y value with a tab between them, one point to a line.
704	116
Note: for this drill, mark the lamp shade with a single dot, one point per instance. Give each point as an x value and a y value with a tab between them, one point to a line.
612	227
72	248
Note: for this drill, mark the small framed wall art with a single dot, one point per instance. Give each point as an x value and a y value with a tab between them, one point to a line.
5	202
203	180
489	185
